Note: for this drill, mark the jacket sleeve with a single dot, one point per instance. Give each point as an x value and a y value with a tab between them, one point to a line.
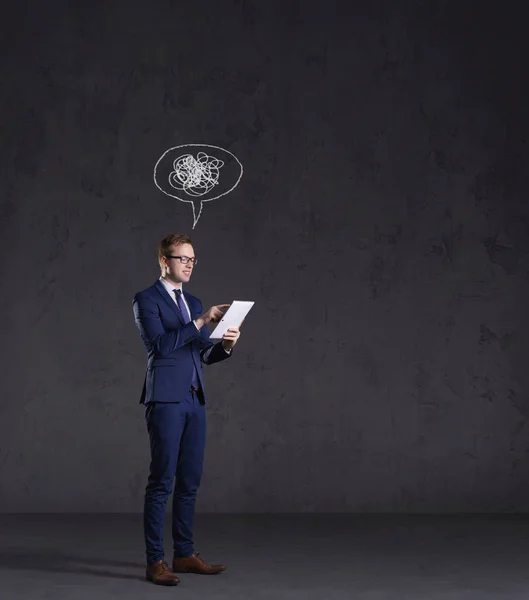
215	353
211	353
152	330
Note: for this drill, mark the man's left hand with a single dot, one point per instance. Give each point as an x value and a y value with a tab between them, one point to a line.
229	339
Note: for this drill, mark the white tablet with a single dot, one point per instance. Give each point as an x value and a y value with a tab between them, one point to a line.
233	317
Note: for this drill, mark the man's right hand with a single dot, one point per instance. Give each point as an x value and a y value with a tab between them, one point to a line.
212	315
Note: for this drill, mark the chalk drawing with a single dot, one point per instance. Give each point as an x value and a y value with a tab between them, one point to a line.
197	173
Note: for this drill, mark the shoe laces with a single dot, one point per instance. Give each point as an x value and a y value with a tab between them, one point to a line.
163	567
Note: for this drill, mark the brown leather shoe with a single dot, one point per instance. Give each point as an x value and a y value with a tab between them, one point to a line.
194	564
160	573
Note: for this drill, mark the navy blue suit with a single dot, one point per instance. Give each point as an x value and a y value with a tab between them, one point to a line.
174	412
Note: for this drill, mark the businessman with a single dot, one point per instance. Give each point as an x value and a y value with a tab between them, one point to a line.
174	329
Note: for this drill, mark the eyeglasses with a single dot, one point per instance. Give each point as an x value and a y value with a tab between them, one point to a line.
184	259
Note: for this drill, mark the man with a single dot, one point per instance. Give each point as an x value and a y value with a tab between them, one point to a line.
174	329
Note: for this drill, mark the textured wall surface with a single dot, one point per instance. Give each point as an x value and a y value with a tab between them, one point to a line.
381	226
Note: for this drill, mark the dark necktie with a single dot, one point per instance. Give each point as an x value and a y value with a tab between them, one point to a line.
187	319
182	306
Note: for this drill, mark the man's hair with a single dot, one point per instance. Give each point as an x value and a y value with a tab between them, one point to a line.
173	239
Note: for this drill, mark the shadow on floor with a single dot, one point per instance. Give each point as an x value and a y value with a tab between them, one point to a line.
52	561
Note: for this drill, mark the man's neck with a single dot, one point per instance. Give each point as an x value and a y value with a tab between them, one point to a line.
175	284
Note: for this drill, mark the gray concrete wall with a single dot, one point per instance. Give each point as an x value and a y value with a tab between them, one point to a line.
381	226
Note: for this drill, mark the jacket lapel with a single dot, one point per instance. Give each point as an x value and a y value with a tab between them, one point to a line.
168	300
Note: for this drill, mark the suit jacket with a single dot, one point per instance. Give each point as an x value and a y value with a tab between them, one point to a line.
174	348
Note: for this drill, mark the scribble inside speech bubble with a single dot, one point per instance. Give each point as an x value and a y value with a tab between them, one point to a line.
197	173
196	176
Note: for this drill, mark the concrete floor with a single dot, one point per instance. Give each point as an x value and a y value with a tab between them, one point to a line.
284	557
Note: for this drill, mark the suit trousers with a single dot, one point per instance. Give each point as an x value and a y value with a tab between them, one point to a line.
177	434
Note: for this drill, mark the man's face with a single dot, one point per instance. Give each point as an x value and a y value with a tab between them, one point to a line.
175	270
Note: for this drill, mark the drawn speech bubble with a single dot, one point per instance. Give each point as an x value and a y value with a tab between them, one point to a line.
197	173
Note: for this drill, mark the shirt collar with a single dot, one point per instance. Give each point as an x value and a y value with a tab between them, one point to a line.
170	287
